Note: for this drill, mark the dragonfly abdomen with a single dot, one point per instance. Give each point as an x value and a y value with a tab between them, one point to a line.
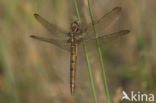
73	58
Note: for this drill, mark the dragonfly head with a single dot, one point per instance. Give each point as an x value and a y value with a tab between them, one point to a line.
75	26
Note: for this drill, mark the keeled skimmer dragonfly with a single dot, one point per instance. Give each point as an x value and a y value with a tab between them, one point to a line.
74	37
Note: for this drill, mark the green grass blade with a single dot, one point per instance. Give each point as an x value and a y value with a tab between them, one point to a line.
87	59
100	54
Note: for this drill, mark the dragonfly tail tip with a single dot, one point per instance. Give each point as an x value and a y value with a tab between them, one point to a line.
72	91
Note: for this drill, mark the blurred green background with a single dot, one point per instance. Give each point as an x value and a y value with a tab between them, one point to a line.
36	72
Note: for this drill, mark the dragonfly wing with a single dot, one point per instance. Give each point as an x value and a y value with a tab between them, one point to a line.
59	43
53	29
109	36
104	22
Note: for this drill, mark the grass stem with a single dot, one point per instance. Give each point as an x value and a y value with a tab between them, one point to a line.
100	54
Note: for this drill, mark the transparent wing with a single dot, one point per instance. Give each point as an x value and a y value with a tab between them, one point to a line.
108	36
59	43
103	23
55	31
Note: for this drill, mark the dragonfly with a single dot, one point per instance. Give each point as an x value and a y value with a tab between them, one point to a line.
74	37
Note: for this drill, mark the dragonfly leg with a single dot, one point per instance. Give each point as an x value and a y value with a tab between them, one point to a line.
78	41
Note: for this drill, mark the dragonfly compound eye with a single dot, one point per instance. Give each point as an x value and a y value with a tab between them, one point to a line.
75	25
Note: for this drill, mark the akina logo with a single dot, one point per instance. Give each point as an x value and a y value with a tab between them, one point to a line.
137	97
